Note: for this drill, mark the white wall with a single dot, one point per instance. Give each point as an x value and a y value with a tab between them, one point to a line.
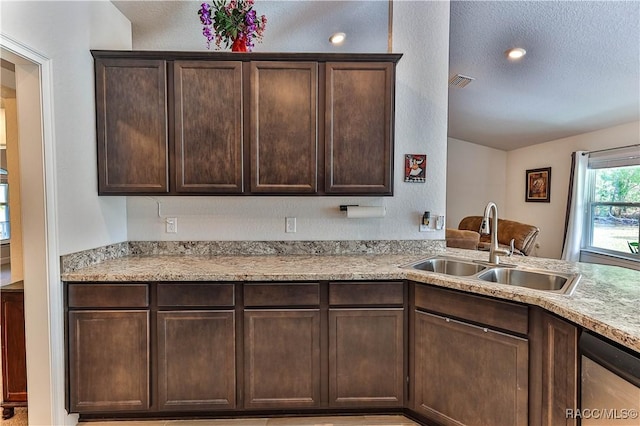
65	32
549	217
421	127
476	174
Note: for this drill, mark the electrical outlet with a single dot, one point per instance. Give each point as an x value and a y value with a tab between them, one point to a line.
171	225
289	224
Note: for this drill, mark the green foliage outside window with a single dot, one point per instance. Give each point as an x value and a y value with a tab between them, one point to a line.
615	208
617	185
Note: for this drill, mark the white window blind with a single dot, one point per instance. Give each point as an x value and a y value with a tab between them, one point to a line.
622	157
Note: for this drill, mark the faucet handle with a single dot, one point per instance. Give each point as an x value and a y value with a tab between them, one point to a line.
513	246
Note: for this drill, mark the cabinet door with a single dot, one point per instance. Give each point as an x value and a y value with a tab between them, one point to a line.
196	360
14	362
554	370
284	133
208	126
366	357
131	126
359	128
108	361
468	375
282	358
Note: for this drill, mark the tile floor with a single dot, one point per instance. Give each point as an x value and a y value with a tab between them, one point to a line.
285	421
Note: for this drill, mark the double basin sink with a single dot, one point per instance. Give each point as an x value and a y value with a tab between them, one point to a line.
535	279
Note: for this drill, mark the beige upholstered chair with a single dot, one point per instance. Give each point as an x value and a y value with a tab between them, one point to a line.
462	238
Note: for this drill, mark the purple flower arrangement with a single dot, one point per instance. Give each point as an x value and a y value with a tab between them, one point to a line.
231	23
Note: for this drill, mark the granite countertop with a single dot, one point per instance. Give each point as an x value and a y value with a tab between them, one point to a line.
606	300
15	287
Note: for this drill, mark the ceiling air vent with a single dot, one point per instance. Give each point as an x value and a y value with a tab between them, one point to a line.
459	81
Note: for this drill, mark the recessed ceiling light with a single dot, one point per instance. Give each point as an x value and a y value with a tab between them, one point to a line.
337	38
516	53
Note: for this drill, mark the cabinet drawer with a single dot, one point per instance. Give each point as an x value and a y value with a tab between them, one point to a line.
482	310
366	293
281	294
108	295
195	294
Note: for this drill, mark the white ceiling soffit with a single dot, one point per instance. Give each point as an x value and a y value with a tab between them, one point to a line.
581	72
292	26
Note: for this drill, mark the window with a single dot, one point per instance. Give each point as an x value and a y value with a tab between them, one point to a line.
613	203
4	212
4	206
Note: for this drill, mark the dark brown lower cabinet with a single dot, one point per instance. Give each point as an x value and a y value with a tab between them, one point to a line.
289	347
14	361
469	375
366	357
282	358
196	360
554	370
109	360
469	358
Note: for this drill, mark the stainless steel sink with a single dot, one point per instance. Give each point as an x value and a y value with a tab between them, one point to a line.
536	279
530	278
449	266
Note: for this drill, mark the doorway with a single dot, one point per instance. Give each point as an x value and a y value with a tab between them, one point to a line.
44	324
10	235
14	374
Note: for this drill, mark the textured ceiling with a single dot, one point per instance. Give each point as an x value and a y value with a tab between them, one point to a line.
581	72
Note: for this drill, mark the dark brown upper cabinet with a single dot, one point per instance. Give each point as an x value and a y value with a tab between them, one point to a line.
284	127
359	128
208	126
251	124
131	103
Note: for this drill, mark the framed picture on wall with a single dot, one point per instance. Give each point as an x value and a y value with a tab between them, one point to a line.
538	185
415	166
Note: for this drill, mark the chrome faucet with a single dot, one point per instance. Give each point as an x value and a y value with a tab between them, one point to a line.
494	249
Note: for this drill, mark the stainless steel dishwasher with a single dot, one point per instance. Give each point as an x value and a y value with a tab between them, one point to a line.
610	384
